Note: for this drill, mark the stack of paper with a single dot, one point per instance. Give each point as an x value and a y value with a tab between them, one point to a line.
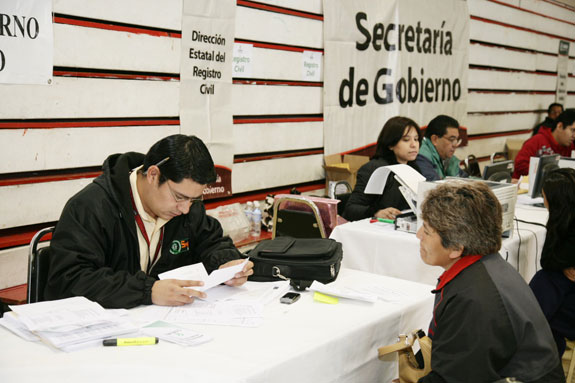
66	324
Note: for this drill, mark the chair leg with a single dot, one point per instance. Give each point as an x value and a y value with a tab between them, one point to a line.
571	346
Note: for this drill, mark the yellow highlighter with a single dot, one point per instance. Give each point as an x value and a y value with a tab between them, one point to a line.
142	341
323	298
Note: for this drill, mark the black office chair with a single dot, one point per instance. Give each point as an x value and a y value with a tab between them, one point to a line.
298	218
472	166
38	263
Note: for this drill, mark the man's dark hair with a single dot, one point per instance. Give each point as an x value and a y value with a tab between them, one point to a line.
566	118
553	105
390	135
439	125
189	158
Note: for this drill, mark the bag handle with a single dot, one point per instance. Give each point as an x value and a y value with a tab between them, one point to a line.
404	342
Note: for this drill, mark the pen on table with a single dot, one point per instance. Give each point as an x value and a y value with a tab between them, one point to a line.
375	219
142	341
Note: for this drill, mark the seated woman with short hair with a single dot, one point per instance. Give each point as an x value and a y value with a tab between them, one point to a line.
486	323
398	143
554	285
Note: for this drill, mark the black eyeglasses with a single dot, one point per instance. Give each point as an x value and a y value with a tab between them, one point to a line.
181	199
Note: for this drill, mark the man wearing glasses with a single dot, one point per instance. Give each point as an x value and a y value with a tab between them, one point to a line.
436	158
141	217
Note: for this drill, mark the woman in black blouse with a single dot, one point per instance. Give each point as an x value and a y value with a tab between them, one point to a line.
398	143
554	285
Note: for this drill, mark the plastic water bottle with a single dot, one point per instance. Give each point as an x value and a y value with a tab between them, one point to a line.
248	211
257	220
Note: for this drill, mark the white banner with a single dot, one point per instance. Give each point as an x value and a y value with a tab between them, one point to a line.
26	42
208	29
562	72
389	58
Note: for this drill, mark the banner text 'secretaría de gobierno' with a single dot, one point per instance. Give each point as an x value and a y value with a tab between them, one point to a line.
400	37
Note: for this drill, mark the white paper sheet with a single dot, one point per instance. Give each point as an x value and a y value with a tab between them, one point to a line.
197	272
229	313
385	293
175	334
405	174
10	322
343	292
221	276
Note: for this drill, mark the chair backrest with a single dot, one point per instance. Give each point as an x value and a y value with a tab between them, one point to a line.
38	263
472	166
297	217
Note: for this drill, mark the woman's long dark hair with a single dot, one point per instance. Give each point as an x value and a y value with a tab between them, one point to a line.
390	135
559	189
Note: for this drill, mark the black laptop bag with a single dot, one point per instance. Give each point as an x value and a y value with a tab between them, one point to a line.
300	260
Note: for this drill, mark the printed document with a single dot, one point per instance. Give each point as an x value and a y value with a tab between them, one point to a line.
197	272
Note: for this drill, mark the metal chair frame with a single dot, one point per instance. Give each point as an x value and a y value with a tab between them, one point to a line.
300	200
34	290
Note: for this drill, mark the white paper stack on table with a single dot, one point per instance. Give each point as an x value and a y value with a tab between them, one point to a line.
67	324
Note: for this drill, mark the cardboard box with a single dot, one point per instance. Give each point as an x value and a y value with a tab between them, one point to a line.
337	169
513	146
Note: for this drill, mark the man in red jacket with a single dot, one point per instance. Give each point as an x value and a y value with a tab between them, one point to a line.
556	140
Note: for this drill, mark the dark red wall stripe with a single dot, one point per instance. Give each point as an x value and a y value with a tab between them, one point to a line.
520	28
510	112
530	11
568	7
281	47
54	124
276	82
47	178
238	120
502	134
261	157
277	9
114	26
115	75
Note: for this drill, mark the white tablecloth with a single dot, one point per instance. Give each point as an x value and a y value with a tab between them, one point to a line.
303	342
378	248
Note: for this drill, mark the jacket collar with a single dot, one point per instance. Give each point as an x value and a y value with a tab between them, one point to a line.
457	268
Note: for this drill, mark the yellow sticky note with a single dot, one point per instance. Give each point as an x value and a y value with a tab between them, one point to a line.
325	298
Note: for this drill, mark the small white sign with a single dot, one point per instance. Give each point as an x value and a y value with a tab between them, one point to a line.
562	72
311	66
26	42
242	61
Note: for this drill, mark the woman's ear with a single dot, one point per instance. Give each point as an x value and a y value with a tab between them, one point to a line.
455	254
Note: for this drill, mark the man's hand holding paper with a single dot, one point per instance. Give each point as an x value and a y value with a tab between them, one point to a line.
181	286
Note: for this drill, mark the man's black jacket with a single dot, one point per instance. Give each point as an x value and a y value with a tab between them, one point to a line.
95	251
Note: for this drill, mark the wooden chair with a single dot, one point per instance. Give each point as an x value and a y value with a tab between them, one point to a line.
569	361
38	263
